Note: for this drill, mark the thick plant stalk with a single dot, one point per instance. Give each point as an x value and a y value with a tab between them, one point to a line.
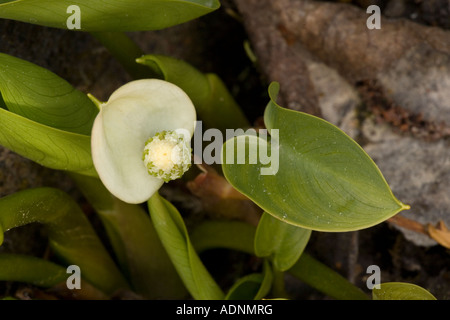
324	279
70	234
135	243
44	274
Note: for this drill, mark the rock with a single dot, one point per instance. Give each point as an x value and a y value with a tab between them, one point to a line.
337	99
418	173
420	83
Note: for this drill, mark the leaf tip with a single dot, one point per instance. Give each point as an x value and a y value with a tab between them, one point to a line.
274	88
405	206
140	60
97	102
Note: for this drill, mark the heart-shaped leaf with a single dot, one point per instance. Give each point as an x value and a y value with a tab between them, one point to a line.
282	242
319	178
401	291
40	95
111	15
50	147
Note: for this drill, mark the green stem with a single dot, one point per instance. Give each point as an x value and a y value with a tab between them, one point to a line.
70	234
29	269
126	51
44	274
239	236
278	286
135	243
319	276
233	235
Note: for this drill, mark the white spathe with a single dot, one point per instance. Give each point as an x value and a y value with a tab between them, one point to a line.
134	113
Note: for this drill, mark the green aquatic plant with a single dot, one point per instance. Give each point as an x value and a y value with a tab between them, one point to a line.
120	152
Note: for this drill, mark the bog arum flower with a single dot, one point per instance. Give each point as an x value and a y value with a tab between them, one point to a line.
141	138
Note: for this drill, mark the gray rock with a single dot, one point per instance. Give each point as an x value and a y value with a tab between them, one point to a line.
417	171
420	83
337	99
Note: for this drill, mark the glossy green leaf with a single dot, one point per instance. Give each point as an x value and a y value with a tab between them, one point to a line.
254	286
282	242
174	236
45	145
213	102
323	180
41	96
401	291
70	234
111	15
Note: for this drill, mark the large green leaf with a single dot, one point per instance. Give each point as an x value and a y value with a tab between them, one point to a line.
282	242
215	105
45	145
401	291
40	95
111	15
174	236
325	181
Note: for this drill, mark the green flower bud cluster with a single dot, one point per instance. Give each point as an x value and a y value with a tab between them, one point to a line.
167	155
